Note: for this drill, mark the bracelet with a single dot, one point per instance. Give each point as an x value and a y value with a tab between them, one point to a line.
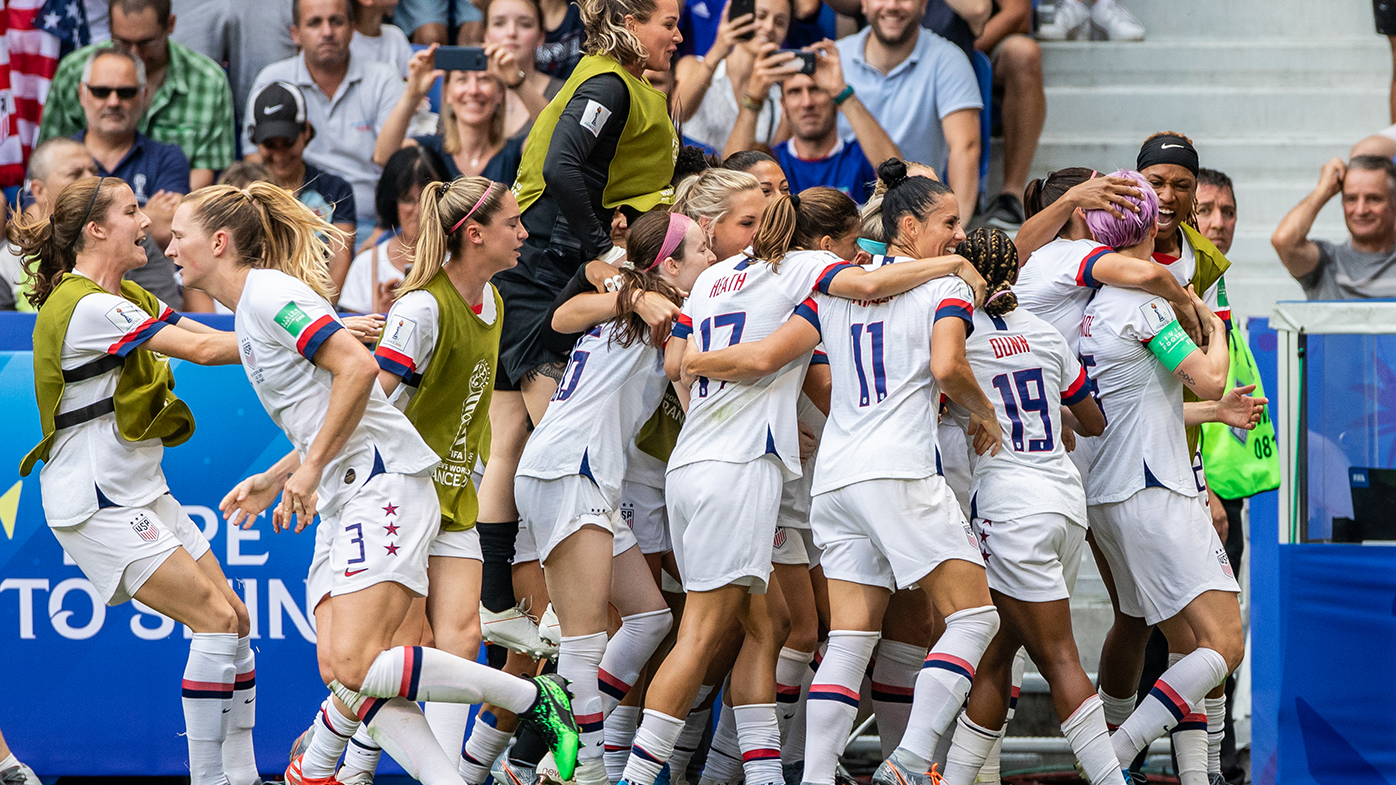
754	104
523	77
844	95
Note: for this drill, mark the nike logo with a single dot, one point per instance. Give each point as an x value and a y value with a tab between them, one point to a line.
277	108
225	711
1170	147
249	700
349	574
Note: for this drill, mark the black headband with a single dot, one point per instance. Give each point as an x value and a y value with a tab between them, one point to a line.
1167	149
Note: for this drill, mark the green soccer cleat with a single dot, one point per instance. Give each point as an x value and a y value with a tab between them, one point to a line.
551	716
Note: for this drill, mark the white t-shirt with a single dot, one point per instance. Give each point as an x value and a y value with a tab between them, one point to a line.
391	47
717	113
742	300
409	338
281	323
1183	267
883	408
1057	283
1145	443
606	395
90	465
357	294
1027	370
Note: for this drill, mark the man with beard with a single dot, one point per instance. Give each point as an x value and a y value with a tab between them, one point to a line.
347	100
909	78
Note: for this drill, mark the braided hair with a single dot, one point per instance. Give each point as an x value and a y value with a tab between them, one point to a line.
993	254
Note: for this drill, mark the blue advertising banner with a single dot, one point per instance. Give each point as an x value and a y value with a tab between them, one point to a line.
92	690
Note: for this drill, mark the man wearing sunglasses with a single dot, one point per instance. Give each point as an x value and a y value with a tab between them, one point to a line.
189	102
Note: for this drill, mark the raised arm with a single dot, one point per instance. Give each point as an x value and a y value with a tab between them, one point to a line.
1291	238
694	75
828	74
1098	193
745	361
420	77
856	283
772	66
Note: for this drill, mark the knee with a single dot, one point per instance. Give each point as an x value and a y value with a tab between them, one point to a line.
351	668
220	616
244	622
1021	58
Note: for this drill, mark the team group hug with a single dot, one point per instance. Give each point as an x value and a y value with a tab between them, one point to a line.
693	452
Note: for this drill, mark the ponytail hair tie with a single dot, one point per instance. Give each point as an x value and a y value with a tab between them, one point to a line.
1003	293
1093	174
489	188
673	236
795	201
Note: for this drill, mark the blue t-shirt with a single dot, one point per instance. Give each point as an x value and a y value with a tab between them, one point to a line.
328	196
698	23
149	167
846	168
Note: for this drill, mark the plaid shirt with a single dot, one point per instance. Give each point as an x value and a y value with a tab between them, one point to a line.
193	107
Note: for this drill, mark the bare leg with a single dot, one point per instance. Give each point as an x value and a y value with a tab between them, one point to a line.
429	33
1019	69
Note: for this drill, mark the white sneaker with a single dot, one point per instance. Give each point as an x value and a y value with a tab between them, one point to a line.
1118	23
548	773
514	630
357	778
549	629
20	774
1067	22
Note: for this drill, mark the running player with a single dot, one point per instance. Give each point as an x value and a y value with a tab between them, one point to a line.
1030	518
107	410
891	358
1145	512
738	445
358	461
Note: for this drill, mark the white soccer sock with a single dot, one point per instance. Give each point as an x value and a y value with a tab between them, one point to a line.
691	736
724	762
790	671
483	748
578	660
1117	710
360	756
1090	740
758	733
639	635
792	749
1179	688
973	743
207	689
401	729
833	702
448	721
945	679
893	686
620	734
654	743
418	673
989	772
1216	731
239	758
332	732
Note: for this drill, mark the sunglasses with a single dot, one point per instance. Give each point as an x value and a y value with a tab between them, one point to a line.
103	93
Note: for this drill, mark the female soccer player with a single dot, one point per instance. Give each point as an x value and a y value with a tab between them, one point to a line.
107	411
360	464
727	204
1030	518
738	445
891	358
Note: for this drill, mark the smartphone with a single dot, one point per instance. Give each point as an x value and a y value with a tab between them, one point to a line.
461	58
807	61
741	8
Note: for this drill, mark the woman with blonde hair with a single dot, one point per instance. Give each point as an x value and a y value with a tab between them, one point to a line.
108	411
358	463
727	204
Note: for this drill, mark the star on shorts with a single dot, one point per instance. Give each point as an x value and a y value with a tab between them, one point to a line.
390	510
392	529
392	548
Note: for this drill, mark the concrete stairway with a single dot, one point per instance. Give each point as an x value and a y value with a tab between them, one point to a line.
1268	89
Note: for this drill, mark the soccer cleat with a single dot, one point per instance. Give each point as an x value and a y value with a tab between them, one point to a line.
357	778
295	777
663	778
301	744
551	716
511	773
549	775
19	774
516	631
549	629
1068	22
1118	24
891	772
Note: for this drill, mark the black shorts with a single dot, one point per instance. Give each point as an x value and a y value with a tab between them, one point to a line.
1385	13
528	291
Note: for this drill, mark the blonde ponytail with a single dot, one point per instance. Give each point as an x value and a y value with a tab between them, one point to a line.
444	206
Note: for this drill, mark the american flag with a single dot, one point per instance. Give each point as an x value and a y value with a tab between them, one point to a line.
28	60
66	19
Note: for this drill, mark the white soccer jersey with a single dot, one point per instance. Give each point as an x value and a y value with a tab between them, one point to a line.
1056	283
1027	370
885	401
1145	443
606	395
281	323
90	465
743	300
409	333
1183	267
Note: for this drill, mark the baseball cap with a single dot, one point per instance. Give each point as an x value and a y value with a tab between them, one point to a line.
278	112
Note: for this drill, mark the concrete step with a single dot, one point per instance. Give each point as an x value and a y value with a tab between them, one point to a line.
1168	19
1270	62
1227	111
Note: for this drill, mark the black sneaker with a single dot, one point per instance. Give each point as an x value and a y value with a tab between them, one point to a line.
1005	212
